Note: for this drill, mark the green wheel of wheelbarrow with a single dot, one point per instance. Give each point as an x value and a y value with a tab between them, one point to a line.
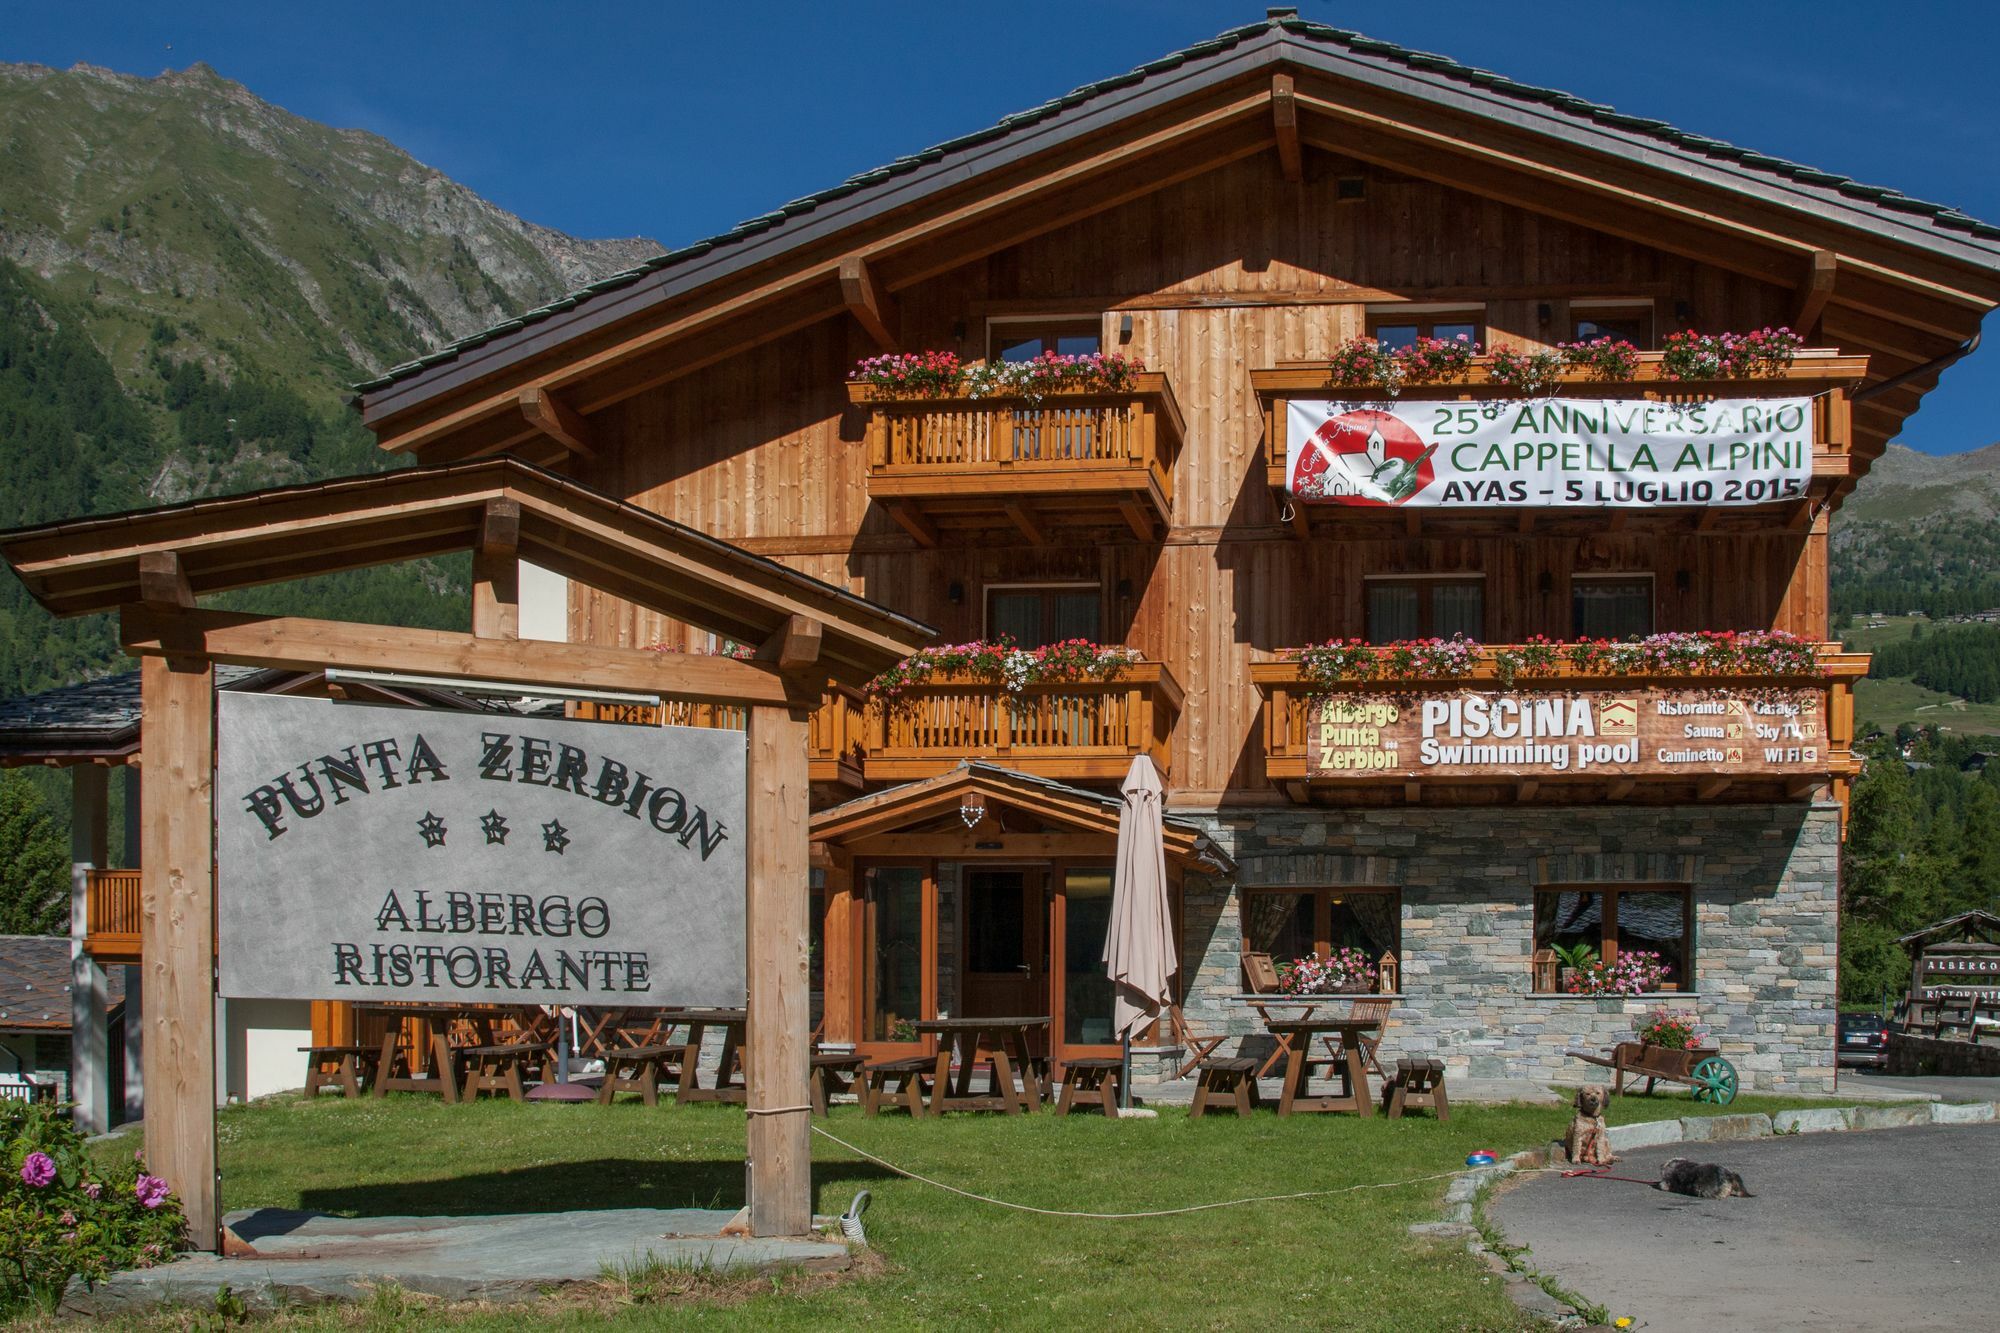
1714	1080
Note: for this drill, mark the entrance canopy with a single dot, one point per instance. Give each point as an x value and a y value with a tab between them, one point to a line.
491	506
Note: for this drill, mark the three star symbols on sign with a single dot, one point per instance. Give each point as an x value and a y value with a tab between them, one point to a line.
555	838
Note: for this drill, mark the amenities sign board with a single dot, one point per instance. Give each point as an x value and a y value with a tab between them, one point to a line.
1550	453
1472	735
374	854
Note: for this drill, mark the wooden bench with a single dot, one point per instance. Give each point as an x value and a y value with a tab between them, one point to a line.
637	1069
1094	1077
499	1068
832	1071
911	1077
345	1067
1231	1080
1417	1085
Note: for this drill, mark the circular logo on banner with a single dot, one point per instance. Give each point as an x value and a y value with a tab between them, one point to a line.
1363	457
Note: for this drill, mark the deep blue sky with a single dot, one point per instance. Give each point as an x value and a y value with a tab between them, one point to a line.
675	120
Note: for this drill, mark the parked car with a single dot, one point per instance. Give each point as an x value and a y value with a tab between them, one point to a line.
1863	1040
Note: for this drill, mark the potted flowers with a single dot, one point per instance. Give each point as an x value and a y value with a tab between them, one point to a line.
1670	1031
1341	972
1633	972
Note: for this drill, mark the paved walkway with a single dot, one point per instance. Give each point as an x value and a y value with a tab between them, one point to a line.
1860	1083
309	1257
1884	1229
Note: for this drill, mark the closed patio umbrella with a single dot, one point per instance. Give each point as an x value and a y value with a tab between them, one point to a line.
1139	950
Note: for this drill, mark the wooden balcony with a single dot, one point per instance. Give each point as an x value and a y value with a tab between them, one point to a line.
1783	766
949	468
111	917
834	735
1816	372
1079	731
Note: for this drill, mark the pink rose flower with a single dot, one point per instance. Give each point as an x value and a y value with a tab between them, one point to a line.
152	1191
38	1170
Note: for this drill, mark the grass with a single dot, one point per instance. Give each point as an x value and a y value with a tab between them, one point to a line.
1889	703
944	1261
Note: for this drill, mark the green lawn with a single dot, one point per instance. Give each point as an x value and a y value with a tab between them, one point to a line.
1341	1261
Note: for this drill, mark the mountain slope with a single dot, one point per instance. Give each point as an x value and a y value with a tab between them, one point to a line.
269	243
1921	533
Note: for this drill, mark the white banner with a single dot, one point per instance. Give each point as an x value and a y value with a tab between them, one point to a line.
1550	452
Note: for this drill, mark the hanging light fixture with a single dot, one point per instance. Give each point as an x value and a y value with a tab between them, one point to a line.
972	809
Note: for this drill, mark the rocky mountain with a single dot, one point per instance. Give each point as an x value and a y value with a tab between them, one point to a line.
1921	533
270	244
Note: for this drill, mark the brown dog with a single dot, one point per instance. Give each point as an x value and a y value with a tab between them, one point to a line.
1587	1143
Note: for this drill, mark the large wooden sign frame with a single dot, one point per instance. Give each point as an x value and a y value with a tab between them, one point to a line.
148	567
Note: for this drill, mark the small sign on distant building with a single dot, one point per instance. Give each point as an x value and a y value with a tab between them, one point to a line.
372	854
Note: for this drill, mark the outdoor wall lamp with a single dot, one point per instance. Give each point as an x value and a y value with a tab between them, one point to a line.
1124	589
954	593
1683	580
1546	584
1546	313
972	809
1125	328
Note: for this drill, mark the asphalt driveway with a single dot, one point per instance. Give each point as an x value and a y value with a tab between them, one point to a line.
1891	1229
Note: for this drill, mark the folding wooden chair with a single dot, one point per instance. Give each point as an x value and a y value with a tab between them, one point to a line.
1197	1048
1374	1009
1260	977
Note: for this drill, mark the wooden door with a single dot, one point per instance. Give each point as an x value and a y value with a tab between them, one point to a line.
1002	968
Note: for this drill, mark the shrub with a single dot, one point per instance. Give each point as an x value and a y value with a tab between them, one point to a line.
61	1216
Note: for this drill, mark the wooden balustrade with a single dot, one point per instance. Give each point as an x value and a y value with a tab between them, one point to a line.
1826	376
953	466
1290	713
835	734
111	917
1077	731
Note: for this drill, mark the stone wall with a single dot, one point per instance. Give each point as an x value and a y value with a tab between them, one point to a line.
1765	885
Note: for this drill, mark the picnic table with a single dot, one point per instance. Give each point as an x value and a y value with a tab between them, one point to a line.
729	1081
496	1063
1003	1045
1296	1036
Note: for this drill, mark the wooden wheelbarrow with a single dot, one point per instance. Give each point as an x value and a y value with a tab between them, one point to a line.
1701	1068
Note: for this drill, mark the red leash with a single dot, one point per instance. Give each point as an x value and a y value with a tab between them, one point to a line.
1599	1173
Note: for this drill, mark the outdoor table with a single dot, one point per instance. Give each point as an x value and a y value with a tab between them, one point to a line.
352	1068
729	1085
442	1077
999	1043
1297	1035
1263	1002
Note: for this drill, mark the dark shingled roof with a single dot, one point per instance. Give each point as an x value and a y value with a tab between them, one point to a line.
34	983
101	714
1352	43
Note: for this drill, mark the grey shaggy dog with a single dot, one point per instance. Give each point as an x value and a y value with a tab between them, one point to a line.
1701	1180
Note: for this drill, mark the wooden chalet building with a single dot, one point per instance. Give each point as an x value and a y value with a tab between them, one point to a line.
1234	216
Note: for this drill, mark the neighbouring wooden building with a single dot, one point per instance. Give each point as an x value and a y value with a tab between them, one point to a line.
1235	216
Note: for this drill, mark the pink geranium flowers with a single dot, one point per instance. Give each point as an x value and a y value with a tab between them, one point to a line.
152	1191
38	1169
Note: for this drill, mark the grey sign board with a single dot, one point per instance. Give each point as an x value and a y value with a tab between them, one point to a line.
373	854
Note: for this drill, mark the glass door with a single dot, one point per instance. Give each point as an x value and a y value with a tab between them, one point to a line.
898	939
1080	918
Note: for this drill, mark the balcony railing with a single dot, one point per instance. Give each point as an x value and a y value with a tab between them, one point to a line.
111	920
1826	376
1077	731
834	736
1311	752
955	466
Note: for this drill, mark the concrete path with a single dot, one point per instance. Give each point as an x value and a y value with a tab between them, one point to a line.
309	1257
1867	1083
1883	1229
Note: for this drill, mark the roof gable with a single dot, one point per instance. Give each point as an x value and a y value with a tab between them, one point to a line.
1813	198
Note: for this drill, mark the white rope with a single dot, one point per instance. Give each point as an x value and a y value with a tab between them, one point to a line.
1123	1217
774	1110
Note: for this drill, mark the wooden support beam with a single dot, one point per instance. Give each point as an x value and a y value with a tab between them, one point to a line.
1801	787
1525	789
297	644
162	580
874	309
915	522
1710	788
794	644
1525	525
1139	519
1413	792
1024	519
1814	292
558	420
1413	523
496	572
177	935
1622	788
1285	121
780	1151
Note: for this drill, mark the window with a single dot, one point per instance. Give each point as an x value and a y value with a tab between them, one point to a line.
1396	329
1291	923
1040	614
1425	608
1611	606
1630	323
1655	918
1025	340
893	906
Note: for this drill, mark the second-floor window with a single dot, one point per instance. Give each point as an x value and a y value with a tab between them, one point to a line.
1037	614
1024	341
1426	608
1611	606
1625	323
1394	330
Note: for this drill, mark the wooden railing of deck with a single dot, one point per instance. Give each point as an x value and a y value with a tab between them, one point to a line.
1288	697
1080	731
835	736
111	921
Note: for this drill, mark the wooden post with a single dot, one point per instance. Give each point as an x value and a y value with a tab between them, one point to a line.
496	572
779	836
177	933
90	1040
839	966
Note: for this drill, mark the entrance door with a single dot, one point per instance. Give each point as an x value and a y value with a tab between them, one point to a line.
1081	919
1003	972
